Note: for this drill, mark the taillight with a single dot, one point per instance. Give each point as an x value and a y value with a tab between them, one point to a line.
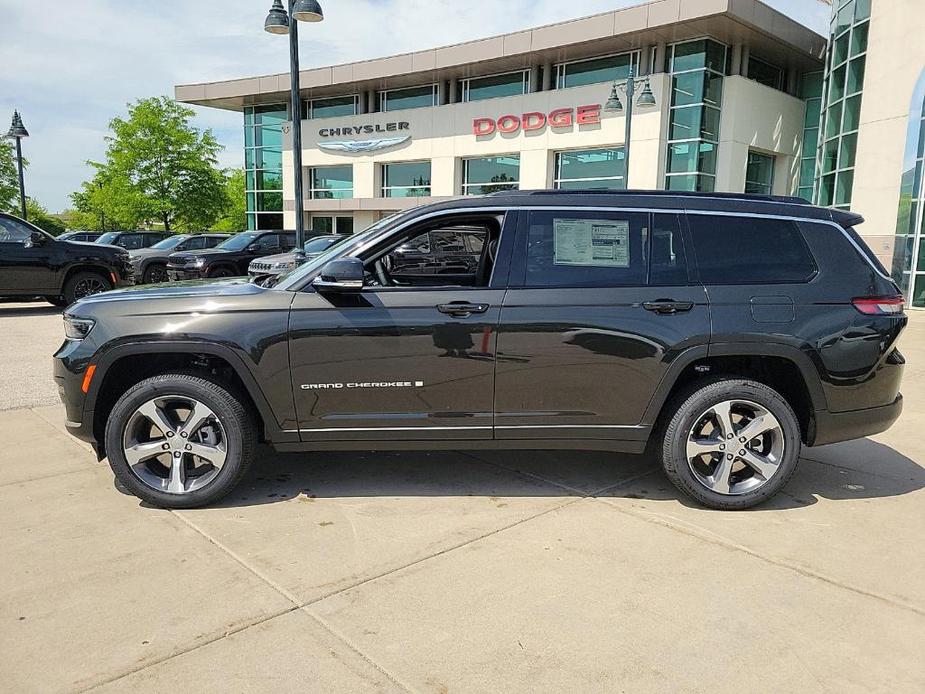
880	306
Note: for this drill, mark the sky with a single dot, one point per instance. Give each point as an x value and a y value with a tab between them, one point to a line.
69	72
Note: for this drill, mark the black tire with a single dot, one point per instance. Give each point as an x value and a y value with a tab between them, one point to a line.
684	413
155	273
221	272
58	301
235	418
82	284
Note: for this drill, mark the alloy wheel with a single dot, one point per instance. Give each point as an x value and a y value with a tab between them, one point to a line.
158	275
735	447
175	444
88	287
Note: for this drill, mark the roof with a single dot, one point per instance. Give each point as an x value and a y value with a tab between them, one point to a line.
769	34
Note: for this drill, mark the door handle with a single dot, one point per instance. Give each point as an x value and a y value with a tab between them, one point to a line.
462	309
668	306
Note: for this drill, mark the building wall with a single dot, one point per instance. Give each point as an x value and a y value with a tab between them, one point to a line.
895	59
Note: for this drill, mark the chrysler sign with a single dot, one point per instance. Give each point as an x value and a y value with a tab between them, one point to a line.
535	120
367	144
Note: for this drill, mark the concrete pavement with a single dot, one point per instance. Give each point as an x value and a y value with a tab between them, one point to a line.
445	572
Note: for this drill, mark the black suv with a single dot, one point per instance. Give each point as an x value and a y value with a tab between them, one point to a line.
231	258
724	332
133	240
150	264
33	263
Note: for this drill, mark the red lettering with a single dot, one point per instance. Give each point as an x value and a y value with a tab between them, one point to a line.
589	115
534	121
561	118
509	124
483	126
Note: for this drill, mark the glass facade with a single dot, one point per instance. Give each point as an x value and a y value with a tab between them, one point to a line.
908	250
326	225
759	174
764	72
811	93
491	174
508	84
415	97
331	108
263	165
591	169
842	93
331	182
596	70
697	70
407	180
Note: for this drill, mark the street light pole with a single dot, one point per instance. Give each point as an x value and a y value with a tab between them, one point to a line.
18	132
280	22
614	105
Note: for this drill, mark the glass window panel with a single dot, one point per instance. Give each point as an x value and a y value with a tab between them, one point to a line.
810	140
252	202
345	225
416	97
267	137
250	178
691	156
322	225
921	150
830	156
697	87
833	120
844	18
918	296
709	128
251	222
843	187
510	84
861	10
593	184
765	73
248	116
270	202
826	190
840	49
272	116
759	173
852	113
837	84
332	182
595	71
812	85
331	108
250	159
856	75
685	123
690	183
491	174
849	146
716	56
590	164
806	193
269	222
813	109
807	171
408	180
269	180
859	39
268	159
248	137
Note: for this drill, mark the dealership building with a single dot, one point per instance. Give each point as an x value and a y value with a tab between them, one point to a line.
732	96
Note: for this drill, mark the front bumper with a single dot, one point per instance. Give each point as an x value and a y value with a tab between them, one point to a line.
69	376
834	427
179	274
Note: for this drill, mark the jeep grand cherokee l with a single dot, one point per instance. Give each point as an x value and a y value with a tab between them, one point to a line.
723	331
33	263
230	258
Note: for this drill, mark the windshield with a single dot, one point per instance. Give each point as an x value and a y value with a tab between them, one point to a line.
170	242
291	279
318	245
108	237
237	243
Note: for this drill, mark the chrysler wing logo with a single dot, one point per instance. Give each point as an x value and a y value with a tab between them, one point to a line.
354	146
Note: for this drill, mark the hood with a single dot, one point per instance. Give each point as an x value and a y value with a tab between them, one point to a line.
176	290
278	258
186	256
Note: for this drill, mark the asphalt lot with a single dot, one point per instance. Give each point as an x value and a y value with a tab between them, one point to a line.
453	572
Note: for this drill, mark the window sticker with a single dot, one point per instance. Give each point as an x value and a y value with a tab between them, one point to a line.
592	242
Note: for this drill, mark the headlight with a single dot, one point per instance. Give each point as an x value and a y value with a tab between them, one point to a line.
77	328
283	266
199	262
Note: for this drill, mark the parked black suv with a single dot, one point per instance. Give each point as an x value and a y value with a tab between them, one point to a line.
85	236
33	263
150	264
724	332
231	258
133	240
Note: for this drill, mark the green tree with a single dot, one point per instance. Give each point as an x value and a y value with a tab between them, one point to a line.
158	167
235	215
40	217
9	178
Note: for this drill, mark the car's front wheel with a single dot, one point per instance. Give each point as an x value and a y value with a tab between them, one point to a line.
84	284
156	273
180	441
731	444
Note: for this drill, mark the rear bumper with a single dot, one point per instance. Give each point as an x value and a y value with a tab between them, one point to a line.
833	427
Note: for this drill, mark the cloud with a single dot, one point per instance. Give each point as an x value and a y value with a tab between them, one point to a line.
69	72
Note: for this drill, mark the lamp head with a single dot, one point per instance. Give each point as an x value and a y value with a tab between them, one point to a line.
614	105
307	11
17	129
277	21
647	98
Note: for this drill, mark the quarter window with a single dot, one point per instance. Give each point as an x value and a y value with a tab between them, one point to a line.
331	183
750	250
409	180
491	174
591	169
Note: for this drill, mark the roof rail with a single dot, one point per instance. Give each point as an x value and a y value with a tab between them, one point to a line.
655	193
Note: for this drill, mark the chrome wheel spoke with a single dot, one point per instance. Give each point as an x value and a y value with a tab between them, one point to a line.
760	464
213	454
759	425
699	447
142	452
157	416
719	480
177	482
198	416
723	413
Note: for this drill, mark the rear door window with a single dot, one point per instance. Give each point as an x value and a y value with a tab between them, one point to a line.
131	242
750	250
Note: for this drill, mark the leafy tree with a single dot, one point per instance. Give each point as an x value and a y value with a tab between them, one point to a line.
9	178
158	167
235	216
40	217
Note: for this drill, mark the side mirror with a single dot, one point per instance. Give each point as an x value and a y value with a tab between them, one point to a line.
36	238
341	275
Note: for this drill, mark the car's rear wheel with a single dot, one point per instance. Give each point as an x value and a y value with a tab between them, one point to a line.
221	272
731	444
84	284
180	441
156	273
